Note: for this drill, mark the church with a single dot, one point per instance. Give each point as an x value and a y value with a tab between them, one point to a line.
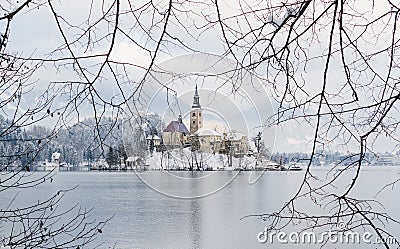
176	134
206	140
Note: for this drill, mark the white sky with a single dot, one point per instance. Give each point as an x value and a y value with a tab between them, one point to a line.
34	33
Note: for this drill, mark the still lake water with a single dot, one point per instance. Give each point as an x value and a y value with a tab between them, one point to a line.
147	218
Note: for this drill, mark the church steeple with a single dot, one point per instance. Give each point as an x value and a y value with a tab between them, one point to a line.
196	99
196	120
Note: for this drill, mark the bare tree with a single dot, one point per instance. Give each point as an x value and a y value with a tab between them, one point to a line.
330	64
45	223
333	65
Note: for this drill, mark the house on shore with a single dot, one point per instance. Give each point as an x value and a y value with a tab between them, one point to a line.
153	141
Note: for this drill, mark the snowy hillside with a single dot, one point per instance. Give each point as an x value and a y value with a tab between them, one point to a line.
184	159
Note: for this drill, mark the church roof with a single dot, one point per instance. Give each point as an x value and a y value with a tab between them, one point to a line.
176	126
196	99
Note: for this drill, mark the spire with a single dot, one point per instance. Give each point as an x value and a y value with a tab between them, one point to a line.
196	99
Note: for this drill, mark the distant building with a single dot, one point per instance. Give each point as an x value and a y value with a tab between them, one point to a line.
210	140
54	165
235	143
239	142
175	134
386	159
203	139
196	119
156	140
55	158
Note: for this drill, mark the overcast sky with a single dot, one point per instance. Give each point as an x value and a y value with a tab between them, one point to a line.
34	33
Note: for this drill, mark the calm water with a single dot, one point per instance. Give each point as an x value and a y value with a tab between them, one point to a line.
146	218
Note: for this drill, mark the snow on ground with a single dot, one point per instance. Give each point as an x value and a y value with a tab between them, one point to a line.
183	158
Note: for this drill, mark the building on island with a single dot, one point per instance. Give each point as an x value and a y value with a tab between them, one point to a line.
203	139
239	142
210	140
175	134
153	142
156	140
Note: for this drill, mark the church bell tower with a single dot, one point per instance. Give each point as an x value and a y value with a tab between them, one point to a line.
196	119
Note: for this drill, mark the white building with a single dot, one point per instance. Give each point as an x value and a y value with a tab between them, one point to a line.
210	140
156	140
234	142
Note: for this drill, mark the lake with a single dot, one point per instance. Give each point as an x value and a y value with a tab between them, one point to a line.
156	209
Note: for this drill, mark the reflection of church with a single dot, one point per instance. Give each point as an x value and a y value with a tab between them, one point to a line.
207	140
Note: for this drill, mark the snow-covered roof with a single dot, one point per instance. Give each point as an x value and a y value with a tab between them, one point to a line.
203	132
155	137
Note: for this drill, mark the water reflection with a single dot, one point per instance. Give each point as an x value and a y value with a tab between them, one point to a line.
145	218
195	224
